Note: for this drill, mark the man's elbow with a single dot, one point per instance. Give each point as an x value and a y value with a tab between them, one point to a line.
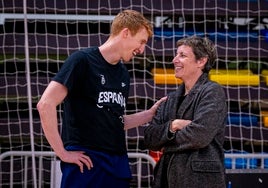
42	107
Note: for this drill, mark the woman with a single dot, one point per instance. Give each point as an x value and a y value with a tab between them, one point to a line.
189	127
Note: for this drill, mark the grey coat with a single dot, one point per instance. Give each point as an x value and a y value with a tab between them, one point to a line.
194	156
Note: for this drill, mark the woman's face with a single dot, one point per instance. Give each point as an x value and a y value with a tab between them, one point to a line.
185	64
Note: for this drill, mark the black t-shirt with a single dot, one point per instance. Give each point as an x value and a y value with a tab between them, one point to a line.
96	101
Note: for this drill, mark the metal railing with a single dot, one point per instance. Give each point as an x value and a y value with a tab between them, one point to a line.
238	163
55	175
246	163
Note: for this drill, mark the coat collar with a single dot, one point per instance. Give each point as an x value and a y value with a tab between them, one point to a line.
178	111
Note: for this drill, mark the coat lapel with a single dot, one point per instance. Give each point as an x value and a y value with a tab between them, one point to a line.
191	96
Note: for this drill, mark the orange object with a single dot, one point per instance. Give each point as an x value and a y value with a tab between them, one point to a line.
165	76
166	79
156	155
264	115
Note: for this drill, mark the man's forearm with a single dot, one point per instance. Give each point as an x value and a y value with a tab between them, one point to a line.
137	119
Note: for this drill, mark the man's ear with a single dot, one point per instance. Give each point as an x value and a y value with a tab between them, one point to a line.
125	32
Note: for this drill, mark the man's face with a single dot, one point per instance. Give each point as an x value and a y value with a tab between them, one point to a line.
135	45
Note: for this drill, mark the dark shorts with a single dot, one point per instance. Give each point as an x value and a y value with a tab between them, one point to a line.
109	171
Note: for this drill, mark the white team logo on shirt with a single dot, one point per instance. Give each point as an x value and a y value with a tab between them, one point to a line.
123	84
102	79
99	106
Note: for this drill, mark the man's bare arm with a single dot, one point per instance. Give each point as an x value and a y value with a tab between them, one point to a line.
140	118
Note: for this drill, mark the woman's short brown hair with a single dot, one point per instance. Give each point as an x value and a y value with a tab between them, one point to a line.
202	47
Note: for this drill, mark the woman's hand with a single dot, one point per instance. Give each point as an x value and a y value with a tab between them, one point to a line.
178	124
